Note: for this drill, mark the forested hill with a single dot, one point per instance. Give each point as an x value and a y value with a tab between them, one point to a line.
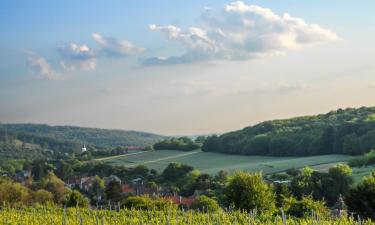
91	136
344	131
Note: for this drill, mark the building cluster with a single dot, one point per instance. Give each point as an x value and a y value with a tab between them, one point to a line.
136	187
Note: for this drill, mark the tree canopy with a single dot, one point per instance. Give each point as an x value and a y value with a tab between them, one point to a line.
344	131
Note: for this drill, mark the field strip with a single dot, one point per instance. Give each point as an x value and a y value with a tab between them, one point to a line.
119	156
168	157
244	166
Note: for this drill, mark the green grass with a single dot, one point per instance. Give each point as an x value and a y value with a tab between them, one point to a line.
209	162
360	172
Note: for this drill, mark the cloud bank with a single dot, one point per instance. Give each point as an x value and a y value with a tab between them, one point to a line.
241	32
116	48
40	67
77	57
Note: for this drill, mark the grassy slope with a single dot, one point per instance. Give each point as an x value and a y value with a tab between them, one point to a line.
213	162
359	173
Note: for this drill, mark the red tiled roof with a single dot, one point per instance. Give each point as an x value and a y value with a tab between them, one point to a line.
127	189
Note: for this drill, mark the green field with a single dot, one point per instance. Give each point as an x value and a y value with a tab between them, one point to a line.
213	162
360	172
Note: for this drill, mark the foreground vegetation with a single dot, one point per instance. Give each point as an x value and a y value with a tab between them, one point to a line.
169	215
349	131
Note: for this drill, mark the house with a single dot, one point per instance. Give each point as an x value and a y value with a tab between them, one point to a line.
83	183
22	175
111	178
4	174
127	189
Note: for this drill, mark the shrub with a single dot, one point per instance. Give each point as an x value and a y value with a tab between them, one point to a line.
205	203
304	207
76	199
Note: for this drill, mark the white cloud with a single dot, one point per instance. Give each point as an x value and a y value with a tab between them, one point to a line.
40	67
241	32
116	48
76	56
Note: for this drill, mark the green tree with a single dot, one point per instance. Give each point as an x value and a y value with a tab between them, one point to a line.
304	207
64	170
282	191
175	171
56	186
139	202
76	199
113	191
97	189
361	199
204	203
248	191
301	185
42	196
13	193
342	175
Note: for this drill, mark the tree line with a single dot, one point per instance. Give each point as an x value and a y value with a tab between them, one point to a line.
345	131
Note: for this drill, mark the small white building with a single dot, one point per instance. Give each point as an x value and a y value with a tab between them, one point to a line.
84	148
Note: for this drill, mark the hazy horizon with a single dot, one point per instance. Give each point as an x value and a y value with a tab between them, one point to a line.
183	68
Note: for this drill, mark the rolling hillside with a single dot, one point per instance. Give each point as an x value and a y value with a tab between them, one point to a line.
92	136
344	131
210	162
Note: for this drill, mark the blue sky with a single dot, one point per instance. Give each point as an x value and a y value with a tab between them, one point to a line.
196	69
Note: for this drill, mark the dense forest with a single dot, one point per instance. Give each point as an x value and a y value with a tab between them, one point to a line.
31	141
181	144
344	131
92	136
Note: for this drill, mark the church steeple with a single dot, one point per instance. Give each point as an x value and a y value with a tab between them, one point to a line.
84	148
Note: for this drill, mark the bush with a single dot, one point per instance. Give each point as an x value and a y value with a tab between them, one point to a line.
304	207
13	193
145	203
248	191
206	204
361	199
76	199
42	196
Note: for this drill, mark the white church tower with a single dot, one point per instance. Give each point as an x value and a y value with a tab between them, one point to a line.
84	148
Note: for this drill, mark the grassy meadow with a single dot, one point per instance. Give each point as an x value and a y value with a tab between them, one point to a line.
209	162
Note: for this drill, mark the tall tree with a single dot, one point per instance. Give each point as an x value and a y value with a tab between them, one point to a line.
248	191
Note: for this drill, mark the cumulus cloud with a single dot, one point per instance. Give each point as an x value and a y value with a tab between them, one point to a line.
241	32
40	67
77	57
116	48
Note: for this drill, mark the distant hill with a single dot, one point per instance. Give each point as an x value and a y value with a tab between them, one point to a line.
343	131
91	136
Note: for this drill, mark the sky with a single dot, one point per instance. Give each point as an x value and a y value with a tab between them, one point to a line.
183	67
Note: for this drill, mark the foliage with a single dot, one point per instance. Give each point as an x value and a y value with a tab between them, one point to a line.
42	196
323	186
348	131
113	191
145	203
364	160
91	136
361	199
56	186
13	193
248	191
304	207
342	176
175	171
182	144
78	216
76	199
206	204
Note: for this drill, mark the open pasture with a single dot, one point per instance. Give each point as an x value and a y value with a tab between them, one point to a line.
209	162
